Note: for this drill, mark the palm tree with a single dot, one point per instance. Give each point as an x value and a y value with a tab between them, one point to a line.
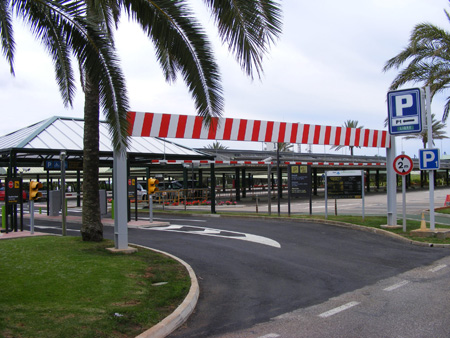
216	145
283	146
249	27
437	130
65	27
428	54
348	124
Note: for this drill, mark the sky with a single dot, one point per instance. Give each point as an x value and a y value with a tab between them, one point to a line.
325	69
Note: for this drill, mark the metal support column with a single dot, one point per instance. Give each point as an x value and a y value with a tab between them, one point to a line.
213	189
120	202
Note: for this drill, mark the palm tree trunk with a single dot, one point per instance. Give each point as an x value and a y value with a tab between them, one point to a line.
92	228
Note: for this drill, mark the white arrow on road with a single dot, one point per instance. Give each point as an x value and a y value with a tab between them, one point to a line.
194	230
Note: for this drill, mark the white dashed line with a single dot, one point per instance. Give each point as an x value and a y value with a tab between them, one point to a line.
270	335
396	286
338	309
437	268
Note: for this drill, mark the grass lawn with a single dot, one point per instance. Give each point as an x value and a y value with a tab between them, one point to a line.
62	287
444	210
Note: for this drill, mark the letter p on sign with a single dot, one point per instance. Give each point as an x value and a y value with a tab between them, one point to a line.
429	159
402	102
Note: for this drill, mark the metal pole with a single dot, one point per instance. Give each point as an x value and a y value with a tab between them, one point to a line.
269	190
213	189
32	217
391	185
62	157
430	145
120	199
404	201
279	185
150	207
326	196
362	193
289	190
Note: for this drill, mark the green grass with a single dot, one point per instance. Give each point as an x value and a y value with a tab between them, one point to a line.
63	287
445	210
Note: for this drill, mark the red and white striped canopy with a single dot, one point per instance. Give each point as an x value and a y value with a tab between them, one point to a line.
229	129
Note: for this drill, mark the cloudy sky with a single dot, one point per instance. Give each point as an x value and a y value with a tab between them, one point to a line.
325	69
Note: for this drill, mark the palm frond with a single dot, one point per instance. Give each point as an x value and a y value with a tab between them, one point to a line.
64	29
6	34
427	59
249	28
181	46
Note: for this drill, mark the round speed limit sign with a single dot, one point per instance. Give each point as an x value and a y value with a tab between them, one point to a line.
403	164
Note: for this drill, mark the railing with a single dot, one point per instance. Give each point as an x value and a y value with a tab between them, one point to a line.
175	197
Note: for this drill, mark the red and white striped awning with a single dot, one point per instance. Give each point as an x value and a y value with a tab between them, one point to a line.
344	164
228	129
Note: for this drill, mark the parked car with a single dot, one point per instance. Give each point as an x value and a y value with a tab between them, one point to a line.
141	192
2	194
174	185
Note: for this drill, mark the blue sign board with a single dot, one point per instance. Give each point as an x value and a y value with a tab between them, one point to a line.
429	159
53	165
405	111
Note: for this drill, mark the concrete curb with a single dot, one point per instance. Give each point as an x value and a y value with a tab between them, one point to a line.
376	231
182	312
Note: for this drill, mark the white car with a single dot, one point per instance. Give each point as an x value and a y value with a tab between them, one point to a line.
141	192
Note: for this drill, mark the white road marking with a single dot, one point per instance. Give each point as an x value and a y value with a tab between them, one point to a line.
270	335
396	286
217	233
439	267
338	309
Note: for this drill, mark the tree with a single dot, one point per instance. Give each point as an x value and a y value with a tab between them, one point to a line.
216	145
437	130
348	124
249	27
283	146
65	28
428	54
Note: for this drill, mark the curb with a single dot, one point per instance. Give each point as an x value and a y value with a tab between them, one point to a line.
182	312
376	231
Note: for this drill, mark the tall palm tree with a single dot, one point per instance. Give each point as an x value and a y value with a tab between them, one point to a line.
65	28
428	54
249	27
437	130
216	145
348	124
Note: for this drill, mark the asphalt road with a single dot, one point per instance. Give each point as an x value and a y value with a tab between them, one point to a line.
244	283
252	270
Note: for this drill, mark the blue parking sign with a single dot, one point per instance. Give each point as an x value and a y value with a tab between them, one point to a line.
429	159
405	111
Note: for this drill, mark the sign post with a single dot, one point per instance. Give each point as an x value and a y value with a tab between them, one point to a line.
429	158
405	116
405	111
403	165
299	177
